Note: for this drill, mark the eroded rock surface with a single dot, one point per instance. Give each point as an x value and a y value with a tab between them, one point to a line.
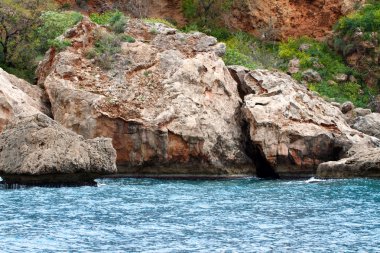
365	163
368	124
18	98
292	130
289	18
168	101
37	150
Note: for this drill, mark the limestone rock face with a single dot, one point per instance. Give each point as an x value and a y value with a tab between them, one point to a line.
18	98
292	130
368	124
168	101
37	150
365	163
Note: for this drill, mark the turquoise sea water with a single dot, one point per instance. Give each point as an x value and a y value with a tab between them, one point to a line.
146	215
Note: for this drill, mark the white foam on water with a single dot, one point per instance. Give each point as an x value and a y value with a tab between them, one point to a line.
1	179
314	180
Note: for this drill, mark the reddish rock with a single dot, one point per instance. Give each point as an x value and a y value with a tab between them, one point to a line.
168	101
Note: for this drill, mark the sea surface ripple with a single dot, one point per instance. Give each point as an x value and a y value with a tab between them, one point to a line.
150	215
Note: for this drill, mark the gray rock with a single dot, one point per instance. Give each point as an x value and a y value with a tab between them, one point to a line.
362	111
291	129
336	104
304	47
294	66
365	163
18	98
37	150
341	77
311	76
368	124
347	107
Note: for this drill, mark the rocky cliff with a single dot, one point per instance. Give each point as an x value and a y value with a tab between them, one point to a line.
289	18
172	107
166	99
283	18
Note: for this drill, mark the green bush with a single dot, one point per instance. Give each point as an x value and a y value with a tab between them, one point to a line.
221	33
328	64
127	38
107	45
189	8
206	12
53	25
118	22
348	91
318	54
366	19
192	27
244	49
115	19
59	44
234	57
103	18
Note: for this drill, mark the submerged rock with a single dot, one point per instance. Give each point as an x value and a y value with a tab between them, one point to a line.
365	163
168	101
292	130
18	98
37	150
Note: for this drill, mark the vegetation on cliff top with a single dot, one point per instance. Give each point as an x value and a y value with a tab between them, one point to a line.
357	38
37	26
30	26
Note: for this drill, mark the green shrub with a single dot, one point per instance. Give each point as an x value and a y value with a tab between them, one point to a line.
244	49
318	54
26	74
59	44
153	31
348	91
91	53
127	38
366	19
328	64
103	18
192	27
53	25
189	8
105	48
118	22
234	57
221	33
115	19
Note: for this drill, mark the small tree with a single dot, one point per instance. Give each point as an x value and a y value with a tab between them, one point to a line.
17	19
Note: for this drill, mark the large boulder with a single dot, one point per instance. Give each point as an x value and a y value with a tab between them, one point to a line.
368	124
292	130
365	163
36	150
18	98
167	100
